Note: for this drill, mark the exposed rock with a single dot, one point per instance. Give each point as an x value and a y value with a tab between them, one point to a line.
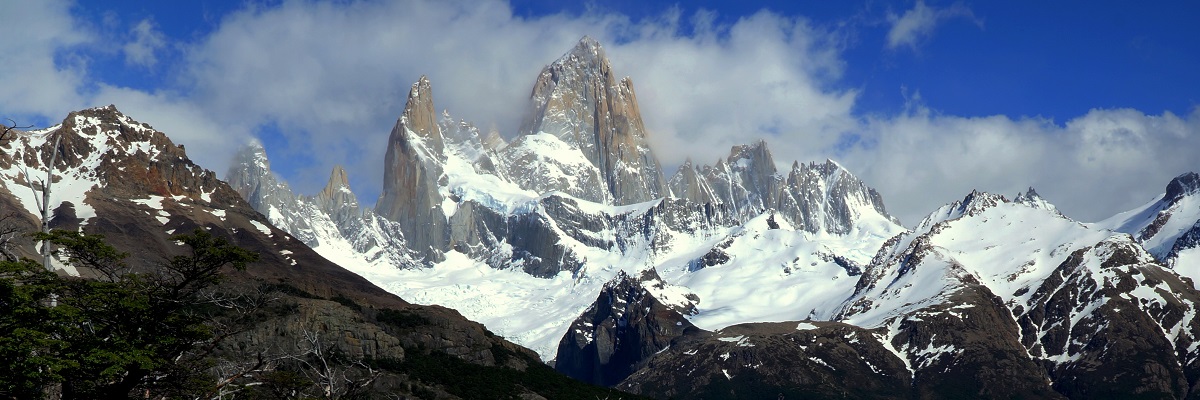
579	100
1182	185
827	198
689	185
336	199
624	327
746	180
803	359
412	167
1033	199
250	175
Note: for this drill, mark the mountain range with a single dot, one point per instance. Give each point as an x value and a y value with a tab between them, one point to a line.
733	279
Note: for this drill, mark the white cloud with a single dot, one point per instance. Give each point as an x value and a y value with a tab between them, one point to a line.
143	48
40	75
1092	166
919	23
332	77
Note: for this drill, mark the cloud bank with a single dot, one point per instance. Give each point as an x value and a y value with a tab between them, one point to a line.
322	84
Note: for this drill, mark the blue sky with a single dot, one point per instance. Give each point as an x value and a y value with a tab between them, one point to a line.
1093	103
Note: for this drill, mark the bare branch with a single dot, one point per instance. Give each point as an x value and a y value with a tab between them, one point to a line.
9	233
11	127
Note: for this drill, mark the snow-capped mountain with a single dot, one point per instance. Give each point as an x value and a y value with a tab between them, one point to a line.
986	298
731	277
1060	281
521	235
1168	226
120	178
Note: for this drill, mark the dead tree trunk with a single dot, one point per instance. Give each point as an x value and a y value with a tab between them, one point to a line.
43	204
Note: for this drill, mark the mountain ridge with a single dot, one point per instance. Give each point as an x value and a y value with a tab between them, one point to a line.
1010	293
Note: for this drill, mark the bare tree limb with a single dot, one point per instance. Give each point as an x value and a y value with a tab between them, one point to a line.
10	128
9	232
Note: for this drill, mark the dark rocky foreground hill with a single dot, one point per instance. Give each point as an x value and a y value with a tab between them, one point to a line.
137	189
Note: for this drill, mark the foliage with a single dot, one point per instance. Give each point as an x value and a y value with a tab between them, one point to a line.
401	319
473	381
112	337
347	302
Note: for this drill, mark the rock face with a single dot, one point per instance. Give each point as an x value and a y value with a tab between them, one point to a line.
1167	227
250	175
330	220
689	185
775	360
813	197
827	198
337	199
579	100
412	167
624	327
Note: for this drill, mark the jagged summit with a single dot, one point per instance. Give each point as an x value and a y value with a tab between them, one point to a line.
688	184
974	203
420	115
1031	198
587	50
579	101
412	167
1169	226
1183	185
979	201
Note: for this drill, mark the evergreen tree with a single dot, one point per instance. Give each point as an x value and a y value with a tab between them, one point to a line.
122	334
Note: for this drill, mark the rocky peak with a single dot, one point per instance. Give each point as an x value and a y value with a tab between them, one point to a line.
336	199
253	161
690	185
1182	185
756	165
976	202
579	100
251	177
843	198
1031	198
586	51
412	167
420	116
756	154
623	328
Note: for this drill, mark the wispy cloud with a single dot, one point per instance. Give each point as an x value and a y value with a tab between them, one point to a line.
918	24
142	49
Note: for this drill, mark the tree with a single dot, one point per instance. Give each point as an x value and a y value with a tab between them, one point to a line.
28	344
10	233
145	333
44	204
